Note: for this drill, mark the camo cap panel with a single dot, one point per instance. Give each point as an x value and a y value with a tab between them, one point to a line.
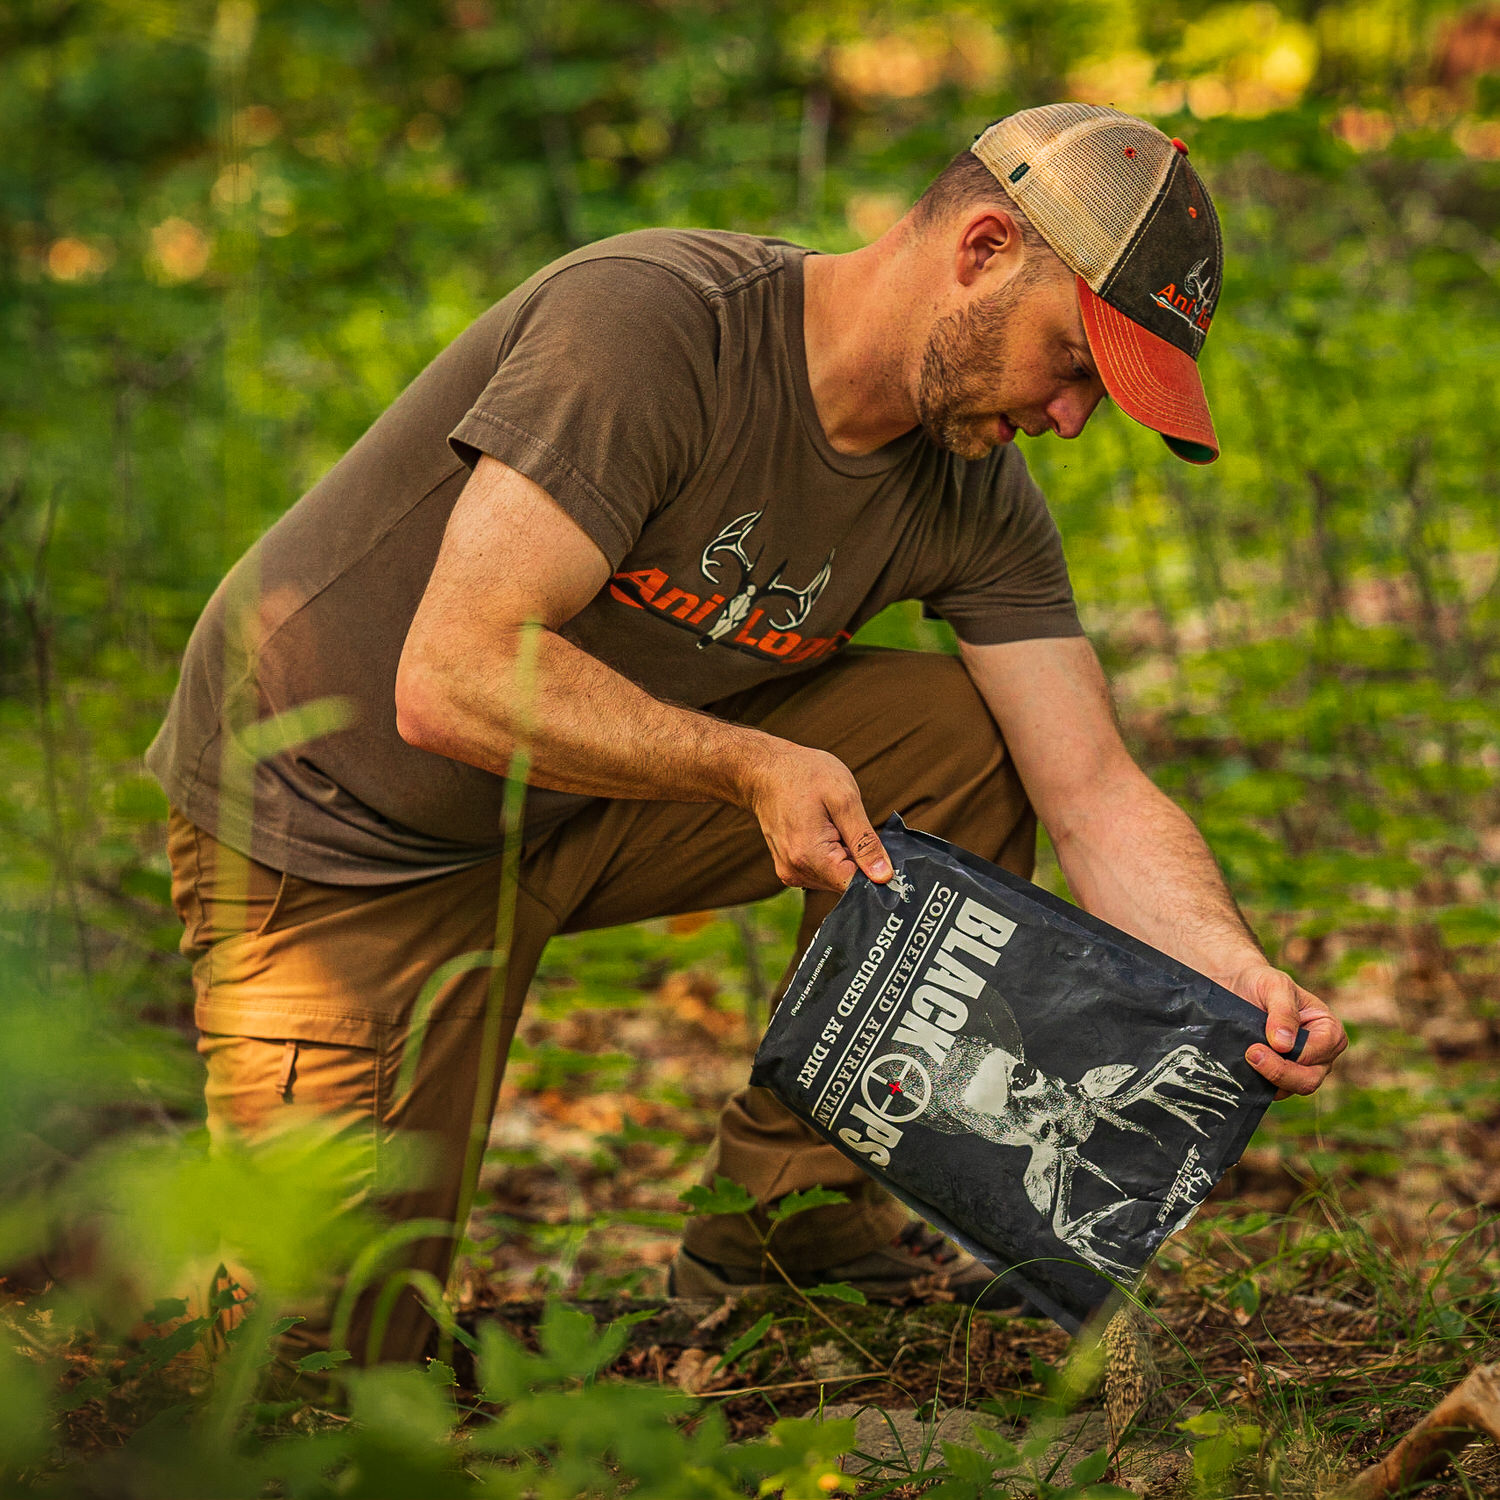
1085	175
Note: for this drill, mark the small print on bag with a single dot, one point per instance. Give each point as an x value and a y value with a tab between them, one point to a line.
1052	1094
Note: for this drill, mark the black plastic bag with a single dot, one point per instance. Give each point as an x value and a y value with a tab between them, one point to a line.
1052	1094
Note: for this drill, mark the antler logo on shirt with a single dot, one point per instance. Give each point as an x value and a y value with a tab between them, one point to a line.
731	540
739	615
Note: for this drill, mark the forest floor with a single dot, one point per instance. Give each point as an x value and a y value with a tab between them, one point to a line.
1341	1278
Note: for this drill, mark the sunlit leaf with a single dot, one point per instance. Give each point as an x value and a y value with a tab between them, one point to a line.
724	1197
322	1359
839	1291
806	1198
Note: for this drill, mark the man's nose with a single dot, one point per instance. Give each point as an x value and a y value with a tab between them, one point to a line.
1073	408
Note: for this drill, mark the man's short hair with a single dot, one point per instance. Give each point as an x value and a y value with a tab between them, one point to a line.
967	183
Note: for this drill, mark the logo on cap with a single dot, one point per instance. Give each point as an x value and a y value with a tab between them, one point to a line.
1194	303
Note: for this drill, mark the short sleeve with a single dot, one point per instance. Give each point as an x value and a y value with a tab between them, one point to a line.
1007	578
604	394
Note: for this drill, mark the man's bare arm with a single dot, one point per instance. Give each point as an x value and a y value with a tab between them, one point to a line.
1131	855
513	561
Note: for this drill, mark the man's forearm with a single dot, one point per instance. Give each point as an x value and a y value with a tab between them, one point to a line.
477	685
585	728
1133	857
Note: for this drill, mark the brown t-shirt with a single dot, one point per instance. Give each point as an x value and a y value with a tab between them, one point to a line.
655	385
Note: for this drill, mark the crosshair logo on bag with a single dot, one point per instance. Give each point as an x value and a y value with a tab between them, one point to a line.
897	1087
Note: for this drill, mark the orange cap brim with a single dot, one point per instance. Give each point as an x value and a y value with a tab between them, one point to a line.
1149	379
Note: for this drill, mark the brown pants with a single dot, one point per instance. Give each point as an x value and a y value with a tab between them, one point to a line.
306	992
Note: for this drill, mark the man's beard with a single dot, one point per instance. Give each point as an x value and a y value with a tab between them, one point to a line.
963	365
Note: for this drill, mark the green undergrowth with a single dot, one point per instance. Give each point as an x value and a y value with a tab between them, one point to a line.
1343	1340
1292	1347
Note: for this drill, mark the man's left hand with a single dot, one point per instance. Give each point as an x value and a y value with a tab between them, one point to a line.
1287	1006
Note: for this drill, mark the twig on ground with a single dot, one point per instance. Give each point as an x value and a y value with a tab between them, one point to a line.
795	1385
1470	1409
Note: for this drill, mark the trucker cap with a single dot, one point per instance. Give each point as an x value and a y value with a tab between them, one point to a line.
1127	214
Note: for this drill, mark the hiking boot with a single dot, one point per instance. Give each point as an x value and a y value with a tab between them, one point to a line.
918	1263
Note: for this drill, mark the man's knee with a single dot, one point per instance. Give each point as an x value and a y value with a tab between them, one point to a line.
960	730
951	773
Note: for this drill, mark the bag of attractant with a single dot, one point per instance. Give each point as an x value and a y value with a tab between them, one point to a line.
1052	1094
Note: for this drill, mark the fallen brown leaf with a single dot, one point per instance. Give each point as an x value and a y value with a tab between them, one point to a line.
696	1371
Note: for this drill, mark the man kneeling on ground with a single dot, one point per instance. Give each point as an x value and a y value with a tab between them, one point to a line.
698	462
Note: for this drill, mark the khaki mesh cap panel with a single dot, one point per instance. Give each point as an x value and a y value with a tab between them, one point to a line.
1120	160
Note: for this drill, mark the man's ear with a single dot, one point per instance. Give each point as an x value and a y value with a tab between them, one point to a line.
987	234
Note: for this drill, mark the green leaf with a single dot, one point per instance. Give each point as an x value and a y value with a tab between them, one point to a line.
724	1197
1003	1453
1036	1446
572	1341
166	1347
322	1359
507	1369
297	726
1252	1223
269	1413
968	1463
954	1488
806	1454
1449	1322
1244	1296
282	1325
747	1340
840	1291
412	1417
1090	1469
1205	1424
168	1309
800	1202
630	1319
442	1375
94	1388
1463	925
1210	1459
1225	1442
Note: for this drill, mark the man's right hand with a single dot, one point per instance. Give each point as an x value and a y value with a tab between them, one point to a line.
810	810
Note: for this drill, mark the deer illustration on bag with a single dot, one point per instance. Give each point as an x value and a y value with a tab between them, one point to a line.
994	1092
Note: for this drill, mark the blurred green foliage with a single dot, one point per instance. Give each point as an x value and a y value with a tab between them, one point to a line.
230	233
